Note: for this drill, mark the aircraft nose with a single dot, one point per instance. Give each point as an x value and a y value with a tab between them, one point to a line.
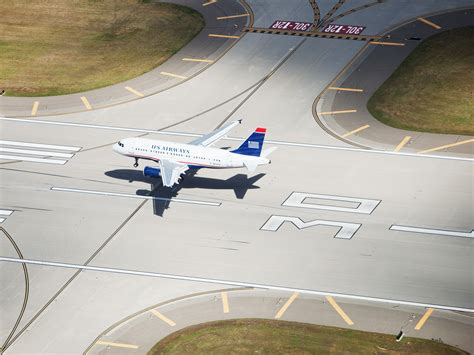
116	148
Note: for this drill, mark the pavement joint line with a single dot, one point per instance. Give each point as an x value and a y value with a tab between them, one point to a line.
133	91
192	135
162	317
173	75
423	319
286	305
210	2
337	112
449	233
198	60
34	109
429	23
339	310
355	131
388	43
213	35
144	197
345	89
232	283
231	16
117	345
86	103
402	143
447	146
225	302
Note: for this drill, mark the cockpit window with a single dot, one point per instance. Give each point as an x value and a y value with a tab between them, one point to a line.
120	144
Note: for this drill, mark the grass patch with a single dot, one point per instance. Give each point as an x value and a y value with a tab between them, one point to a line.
254	336
432	90
60	47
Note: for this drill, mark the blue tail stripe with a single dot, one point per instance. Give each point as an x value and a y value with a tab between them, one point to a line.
252	146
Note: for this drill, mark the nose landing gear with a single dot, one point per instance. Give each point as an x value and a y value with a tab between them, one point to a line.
136	163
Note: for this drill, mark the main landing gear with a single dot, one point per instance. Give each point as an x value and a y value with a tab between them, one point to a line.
136	163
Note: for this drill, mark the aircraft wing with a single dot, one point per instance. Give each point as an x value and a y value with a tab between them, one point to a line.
214	136
171	171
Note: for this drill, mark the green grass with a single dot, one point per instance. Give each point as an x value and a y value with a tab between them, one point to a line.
432	90
253	336
57	47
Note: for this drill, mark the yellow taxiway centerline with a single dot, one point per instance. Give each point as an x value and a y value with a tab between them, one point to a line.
197	60
232	16
173	75
133	91
388	43
34	109
337	112
339	310
344	89
402	143
210	2
213	35
225	302
423	319
117	345
163	318
429	23
447	146
286	305
355	131
86	103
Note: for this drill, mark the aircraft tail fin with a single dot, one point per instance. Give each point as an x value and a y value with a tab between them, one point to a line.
253	144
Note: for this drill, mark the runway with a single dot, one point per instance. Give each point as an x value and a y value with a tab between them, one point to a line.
326	215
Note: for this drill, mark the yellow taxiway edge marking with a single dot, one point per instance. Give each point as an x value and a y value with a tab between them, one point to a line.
118	345
173	75
402	143
447	146
225	302
133	91
286	305
210	2
344	89
388	43
423	319
337	112
232	16
86	103
198	60
429	23
355	131
339	310
222	36
34	109
163	318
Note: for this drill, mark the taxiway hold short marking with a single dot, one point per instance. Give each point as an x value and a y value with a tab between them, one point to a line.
344	89
355	131
225	302
338	112
36	152
163	318
133	91
198	60
6	212
232	283
423	319
388	43
210	2
402	143
115	194
86	103
429	23
39	145
222	36
447	146
232	16
173	75
339	310
34	109
433	231
34	160
117	345
286	305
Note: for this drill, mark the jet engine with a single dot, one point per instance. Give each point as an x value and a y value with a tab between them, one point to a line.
151	172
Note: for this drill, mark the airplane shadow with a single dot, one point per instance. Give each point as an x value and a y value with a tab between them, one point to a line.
240	183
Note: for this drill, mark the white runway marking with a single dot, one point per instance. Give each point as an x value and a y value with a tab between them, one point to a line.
6	212
34	160
29	154
39	145
116	194
234	283
182	134
433	231
2	219
36	152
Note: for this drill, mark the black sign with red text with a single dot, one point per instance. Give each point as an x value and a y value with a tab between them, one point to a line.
291	25
343	29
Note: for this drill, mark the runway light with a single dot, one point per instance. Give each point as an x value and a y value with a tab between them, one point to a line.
400	336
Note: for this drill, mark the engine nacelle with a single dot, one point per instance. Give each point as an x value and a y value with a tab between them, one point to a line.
151	172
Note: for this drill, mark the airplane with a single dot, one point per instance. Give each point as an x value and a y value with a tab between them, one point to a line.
174	159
